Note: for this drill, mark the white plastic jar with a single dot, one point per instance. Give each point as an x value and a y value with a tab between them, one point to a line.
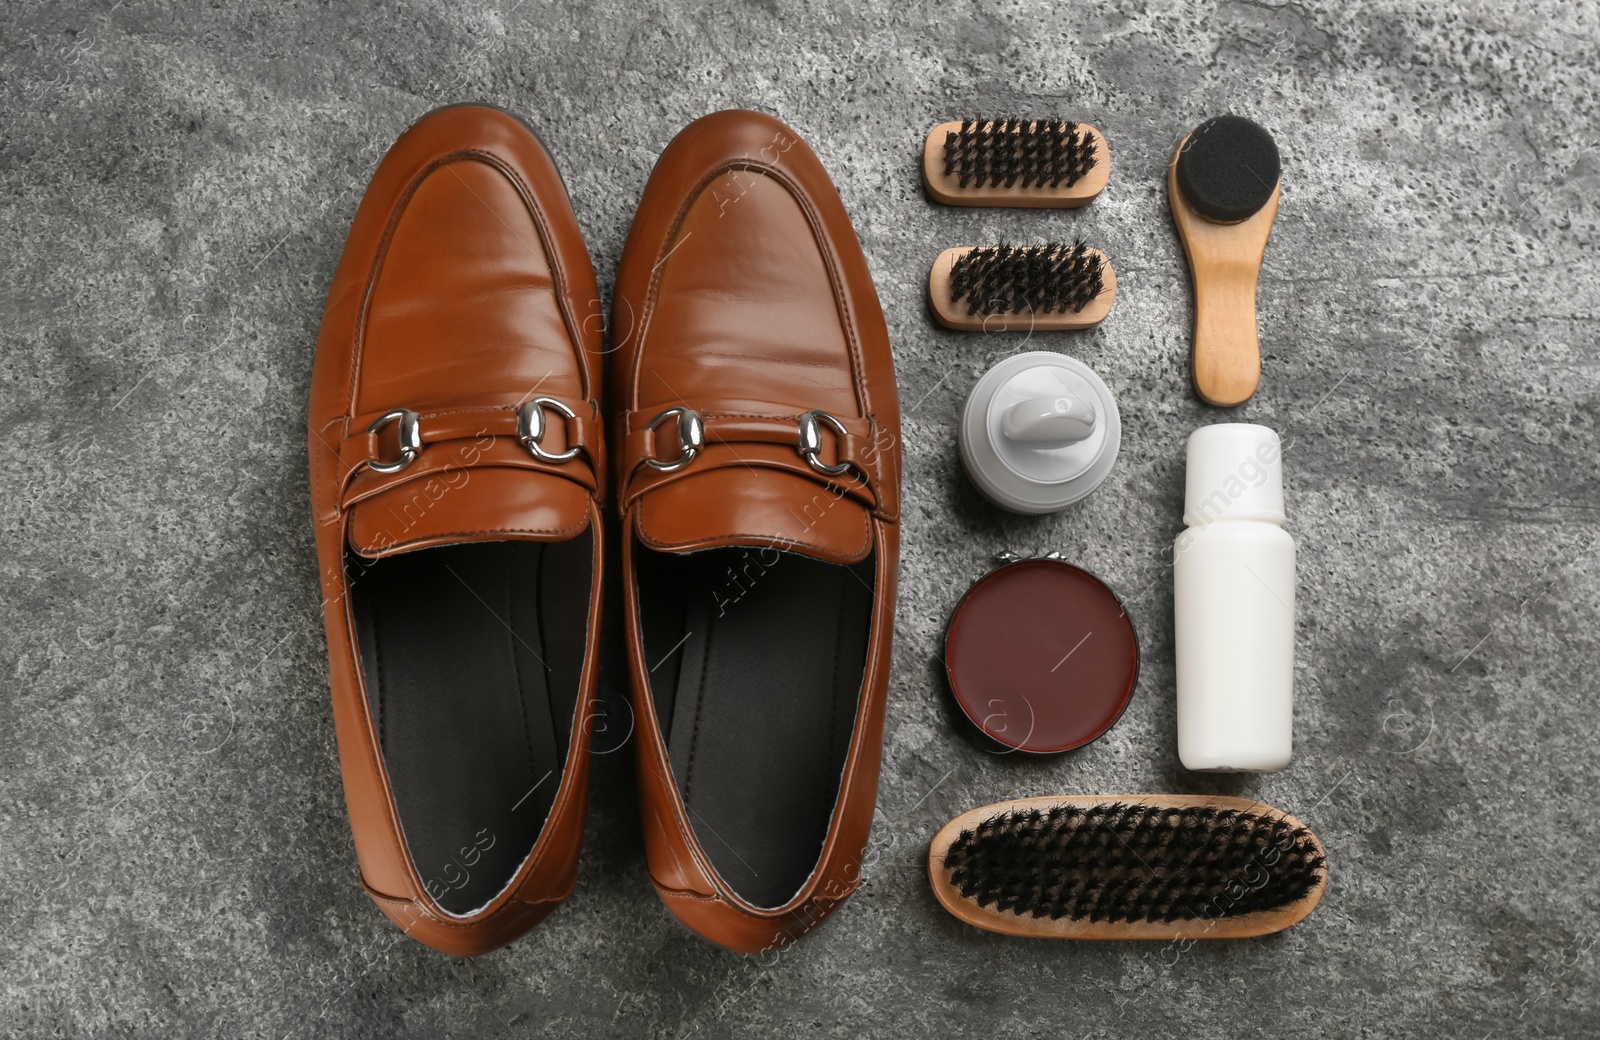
1233	597
1040	431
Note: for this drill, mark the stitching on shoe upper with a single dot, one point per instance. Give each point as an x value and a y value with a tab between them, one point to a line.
865	520
552	256
823	243
574	529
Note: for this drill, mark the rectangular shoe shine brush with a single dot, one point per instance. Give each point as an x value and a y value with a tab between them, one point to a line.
1128	867
1004	288
1036	163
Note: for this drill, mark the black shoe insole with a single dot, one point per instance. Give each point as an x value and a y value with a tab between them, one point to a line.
756	659
472	656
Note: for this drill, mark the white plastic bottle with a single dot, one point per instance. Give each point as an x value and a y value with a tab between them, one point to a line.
1233	595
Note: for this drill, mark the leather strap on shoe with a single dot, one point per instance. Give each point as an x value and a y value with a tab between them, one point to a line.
665	444
557	435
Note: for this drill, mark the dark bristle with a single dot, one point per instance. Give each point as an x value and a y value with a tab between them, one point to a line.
1125	862
1005	153
1043	279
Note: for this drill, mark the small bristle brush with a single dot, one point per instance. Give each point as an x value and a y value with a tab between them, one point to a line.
1223	186
1015	162
1128	867
1021	288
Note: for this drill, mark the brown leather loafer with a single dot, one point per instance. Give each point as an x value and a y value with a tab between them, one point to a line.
758	471
456	474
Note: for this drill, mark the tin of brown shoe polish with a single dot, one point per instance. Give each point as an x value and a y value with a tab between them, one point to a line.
1041	656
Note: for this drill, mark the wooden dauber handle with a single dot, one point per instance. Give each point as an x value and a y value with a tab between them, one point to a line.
1225	263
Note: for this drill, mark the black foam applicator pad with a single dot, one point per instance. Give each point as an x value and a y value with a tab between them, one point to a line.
1228	168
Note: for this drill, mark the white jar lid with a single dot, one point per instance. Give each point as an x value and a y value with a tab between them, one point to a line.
1235	472
1040	431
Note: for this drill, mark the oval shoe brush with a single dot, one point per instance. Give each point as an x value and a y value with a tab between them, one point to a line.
1223	187
1128	867
1036	163
1021	288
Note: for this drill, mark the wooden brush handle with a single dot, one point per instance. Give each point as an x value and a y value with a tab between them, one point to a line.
1227	348
1225	262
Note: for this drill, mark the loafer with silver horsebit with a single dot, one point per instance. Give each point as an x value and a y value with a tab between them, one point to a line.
758	473
457	471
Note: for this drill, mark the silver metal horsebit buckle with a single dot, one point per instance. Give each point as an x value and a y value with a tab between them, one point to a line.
691	437
410	439
531	428
810	446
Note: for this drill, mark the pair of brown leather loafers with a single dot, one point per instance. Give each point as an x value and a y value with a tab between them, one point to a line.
460	432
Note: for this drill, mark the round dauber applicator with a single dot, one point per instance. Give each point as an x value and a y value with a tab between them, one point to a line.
1223	187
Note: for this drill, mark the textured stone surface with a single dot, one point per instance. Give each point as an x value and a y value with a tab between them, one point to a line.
175	185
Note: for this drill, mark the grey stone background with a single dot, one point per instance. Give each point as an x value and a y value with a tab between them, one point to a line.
176	182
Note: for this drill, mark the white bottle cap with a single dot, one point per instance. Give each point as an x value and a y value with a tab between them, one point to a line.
1040	431
1235	472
